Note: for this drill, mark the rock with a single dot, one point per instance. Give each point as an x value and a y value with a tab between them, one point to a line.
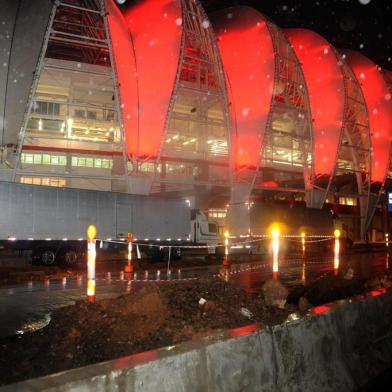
373	283
275	294
349	274
386	282
304	304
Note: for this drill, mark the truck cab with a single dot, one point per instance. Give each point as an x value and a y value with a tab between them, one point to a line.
203	230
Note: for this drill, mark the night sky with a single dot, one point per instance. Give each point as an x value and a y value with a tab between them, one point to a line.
350	24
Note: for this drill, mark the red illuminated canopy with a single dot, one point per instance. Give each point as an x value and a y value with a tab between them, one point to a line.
146	61
379	105
326	91
248	58
124	60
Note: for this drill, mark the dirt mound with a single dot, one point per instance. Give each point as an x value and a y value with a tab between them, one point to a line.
153	317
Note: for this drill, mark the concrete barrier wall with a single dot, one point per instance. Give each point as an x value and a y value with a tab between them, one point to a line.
335	347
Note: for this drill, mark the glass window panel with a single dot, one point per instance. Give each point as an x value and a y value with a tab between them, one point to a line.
37	159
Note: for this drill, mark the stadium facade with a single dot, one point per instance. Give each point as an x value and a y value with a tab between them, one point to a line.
155	97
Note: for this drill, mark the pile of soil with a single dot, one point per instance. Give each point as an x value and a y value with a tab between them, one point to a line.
332	288
155	316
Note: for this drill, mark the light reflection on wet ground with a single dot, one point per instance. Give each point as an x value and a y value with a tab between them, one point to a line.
28	306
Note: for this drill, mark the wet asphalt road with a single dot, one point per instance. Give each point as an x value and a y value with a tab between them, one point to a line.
28	306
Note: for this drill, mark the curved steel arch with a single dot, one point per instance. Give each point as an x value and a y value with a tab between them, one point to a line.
327	99
290	121
379	110
197	127
355	146
270	107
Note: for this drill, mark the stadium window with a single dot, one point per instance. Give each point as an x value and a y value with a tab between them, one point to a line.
98	162
37	159
217	213
348	201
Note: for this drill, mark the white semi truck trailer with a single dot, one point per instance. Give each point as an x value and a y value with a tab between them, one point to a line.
51	222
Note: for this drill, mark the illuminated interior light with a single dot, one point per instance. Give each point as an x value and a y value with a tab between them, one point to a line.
40	125
69	128
168	140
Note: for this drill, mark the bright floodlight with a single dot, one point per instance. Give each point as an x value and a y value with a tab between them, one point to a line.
275	232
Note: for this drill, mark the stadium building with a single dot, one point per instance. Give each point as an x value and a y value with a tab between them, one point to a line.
155	97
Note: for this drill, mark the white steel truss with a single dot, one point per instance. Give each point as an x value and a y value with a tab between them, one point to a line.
195	148
71	131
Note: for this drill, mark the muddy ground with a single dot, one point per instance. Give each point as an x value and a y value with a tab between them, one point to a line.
158	315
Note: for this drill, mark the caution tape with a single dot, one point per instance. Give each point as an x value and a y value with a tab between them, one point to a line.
293	238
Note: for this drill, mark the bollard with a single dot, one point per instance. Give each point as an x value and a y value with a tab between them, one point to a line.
303	237
336	252
226	262
275	233
91	256
129	267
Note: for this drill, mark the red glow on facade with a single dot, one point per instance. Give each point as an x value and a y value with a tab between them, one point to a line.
155	31
325	85
321	309
375	91
124	60
376	293
248	58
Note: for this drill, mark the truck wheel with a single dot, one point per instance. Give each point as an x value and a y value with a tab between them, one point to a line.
48	257
219	252
70	257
